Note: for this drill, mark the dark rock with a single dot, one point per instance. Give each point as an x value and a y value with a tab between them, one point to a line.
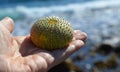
66	66
60	68
100	64
117	51
112	63
104	49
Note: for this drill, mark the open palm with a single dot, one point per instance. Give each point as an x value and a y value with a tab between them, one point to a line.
19	54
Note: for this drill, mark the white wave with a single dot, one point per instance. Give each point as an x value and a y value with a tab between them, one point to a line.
76	7
33	11
78	14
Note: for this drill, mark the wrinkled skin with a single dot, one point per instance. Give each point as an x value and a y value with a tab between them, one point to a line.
19	54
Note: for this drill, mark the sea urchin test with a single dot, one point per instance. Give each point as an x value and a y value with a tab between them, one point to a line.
51	33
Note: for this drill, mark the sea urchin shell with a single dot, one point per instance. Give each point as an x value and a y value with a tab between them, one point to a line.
51	33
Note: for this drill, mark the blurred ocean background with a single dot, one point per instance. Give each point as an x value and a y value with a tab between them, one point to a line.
100	19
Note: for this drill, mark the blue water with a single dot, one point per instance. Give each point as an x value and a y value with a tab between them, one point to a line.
100	19
31	3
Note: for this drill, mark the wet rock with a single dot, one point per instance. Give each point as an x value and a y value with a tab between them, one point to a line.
60	68
104	49
117	51
66	66
100	64
112	63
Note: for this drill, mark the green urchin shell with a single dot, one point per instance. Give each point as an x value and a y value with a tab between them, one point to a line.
51	33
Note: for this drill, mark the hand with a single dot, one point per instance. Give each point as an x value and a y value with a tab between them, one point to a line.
19	54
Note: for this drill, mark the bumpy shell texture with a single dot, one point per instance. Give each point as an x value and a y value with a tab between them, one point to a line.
51	33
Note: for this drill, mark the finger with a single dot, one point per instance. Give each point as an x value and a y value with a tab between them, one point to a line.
8	23
61	55
65	53
74	46
78	35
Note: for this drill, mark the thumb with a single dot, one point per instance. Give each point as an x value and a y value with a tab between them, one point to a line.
8	23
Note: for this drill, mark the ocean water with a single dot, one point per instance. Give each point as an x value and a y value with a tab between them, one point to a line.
100	19
85	13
